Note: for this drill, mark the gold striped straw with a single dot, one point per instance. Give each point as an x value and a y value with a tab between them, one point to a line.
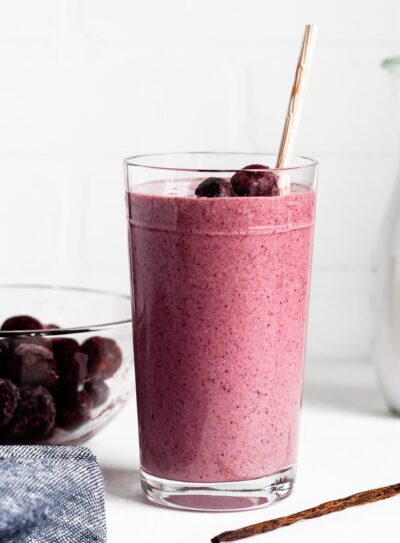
296	104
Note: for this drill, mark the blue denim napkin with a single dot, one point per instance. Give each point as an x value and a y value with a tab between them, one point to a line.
50	494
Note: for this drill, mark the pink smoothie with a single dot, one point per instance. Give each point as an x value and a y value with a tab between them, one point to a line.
220	312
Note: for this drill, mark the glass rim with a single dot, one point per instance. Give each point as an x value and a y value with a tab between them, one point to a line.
134	160
71	329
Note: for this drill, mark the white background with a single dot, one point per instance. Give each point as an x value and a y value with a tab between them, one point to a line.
85	83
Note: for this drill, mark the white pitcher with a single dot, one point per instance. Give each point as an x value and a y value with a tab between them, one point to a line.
387	348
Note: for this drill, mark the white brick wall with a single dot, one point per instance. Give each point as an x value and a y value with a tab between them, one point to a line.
86	82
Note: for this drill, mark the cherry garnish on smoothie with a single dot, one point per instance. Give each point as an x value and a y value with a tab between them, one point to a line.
252	180
215	187
255	180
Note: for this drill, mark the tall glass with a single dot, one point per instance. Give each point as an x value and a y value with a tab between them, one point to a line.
220	290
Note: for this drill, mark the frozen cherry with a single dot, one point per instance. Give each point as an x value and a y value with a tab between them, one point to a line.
71	363
21	322
214	187
9	396
4	349
73	408
33	340
5	353
104	357
247	182
35	415
31	364
99	392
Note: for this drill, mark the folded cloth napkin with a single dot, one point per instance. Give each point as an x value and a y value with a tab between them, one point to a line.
50	494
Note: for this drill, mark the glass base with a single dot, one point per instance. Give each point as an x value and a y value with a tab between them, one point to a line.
230	496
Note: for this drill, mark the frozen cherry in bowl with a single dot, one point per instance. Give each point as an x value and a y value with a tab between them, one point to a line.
34	416
5	353
33	340
46	345
71	362
104	357
21	322
99	391
255	180
9	396
31	364
73	408
215	187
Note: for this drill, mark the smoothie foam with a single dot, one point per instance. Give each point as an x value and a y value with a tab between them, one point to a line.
220	313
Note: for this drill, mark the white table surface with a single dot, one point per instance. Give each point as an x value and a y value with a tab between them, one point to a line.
349	442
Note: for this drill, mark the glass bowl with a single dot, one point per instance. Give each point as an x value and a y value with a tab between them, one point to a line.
66	377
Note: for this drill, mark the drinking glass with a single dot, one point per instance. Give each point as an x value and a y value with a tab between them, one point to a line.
220	290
